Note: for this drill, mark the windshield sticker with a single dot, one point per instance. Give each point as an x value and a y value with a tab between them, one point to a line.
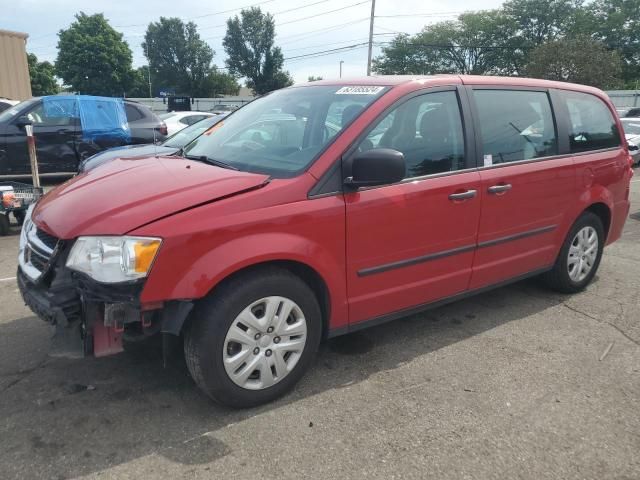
361	90
488	160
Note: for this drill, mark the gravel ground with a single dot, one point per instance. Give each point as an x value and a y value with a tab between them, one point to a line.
510	384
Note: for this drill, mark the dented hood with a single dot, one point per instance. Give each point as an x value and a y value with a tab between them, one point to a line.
123	194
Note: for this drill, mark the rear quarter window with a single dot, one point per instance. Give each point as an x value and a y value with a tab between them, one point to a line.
591	123
133	113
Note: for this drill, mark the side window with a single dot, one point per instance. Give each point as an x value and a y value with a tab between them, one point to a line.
54	116
427	129
132	112
592	126
515	125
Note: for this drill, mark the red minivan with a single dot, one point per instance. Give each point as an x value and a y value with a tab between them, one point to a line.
325	208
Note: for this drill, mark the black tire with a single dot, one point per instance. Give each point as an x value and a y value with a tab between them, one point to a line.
205	335
4	224
558	278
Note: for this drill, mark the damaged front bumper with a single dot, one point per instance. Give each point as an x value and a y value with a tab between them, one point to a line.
90	318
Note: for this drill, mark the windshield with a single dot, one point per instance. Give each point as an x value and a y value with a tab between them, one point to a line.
631	128
14	111
280	134
190	133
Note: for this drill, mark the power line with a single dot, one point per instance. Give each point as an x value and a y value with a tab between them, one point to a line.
435	14
323	53
275	13
322	13
296	37
333	43
206	14
449	47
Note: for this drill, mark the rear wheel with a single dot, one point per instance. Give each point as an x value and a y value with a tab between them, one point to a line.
253	339
580	255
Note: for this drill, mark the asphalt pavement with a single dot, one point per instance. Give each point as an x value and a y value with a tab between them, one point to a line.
516	383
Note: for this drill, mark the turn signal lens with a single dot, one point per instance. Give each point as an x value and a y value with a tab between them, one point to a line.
145	253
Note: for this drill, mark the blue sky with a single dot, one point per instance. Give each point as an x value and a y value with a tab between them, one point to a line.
302	27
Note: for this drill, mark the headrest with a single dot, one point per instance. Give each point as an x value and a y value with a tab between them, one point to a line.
350	112
435	122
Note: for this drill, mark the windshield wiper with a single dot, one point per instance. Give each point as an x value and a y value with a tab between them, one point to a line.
212	161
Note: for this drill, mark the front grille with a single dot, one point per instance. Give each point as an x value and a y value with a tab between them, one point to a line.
38	251
38	260
49	240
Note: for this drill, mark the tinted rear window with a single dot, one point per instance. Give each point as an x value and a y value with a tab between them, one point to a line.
133	113
592	125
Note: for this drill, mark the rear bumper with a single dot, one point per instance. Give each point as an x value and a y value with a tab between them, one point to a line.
618	219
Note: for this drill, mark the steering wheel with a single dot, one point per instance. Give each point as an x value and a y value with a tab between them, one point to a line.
252	145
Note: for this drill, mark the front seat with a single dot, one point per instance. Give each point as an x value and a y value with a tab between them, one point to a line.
434	151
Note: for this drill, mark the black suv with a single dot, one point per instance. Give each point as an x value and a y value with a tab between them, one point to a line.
61	143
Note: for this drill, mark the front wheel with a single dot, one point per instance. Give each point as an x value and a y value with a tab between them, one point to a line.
254	337
580	255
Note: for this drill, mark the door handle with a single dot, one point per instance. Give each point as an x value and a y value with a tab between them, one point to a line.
495	189
462	195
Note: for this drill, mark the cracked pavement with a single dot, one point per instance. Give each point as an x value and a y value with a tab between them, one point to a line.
509	384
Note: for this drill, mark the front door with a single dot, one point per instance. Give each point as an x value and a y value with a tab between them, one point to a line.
55	131
527	188
413	242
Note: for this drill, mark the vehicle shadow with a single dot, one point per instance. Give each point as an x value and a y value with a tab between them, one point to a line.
67	418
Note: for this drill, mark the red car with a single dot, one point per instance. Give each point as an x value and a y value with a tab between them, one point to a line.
322	209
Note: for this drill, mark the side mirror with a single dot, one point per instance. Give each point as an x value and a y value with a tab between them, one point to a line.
633	147
380	166
23	121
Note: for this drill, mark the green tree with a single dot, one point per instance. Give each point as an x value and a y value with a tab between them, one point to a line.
139	87
578	60
180	59
540	21
43	81
403	56
475	43
251	54
313	78
218	83
93	58
617	25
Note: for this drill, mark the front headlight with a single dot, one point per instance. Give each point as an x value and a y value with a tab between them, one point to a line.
113	259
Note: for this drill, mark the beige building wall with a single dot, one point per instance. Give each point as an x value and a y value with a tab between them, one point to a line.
15	83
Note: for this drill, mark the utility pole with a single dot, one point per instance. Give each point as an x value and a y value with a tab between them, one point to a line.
149	70
341	62
373	13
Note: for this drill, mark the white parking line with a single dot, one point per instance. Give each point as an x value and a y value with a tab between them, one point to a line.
8	279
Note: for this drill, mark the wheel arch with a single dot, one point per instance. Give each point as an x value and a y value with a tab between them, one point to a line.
602	211
302	270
